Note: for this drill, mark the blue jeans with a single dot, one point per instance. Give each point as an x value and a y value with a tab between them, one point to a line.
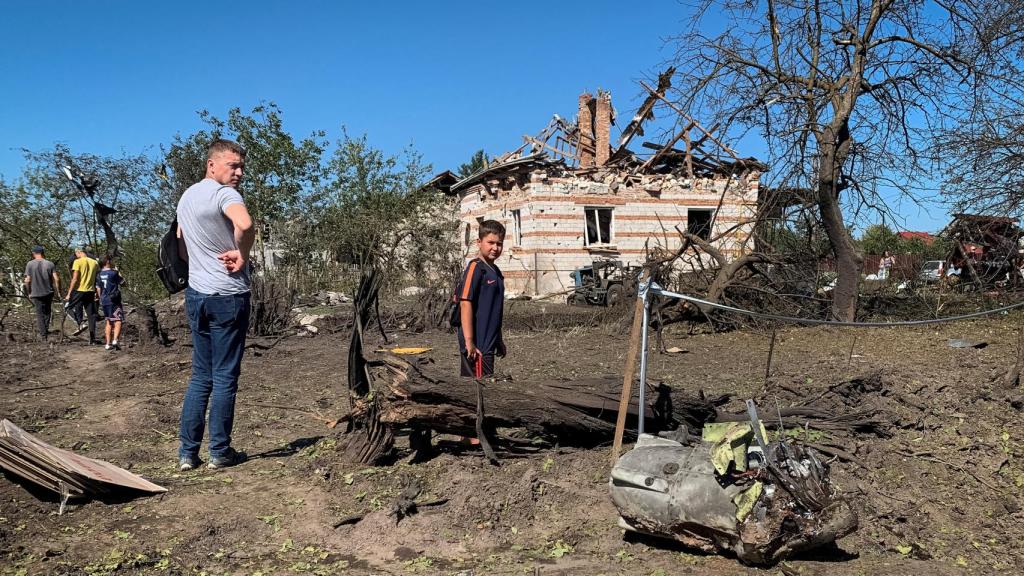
218	324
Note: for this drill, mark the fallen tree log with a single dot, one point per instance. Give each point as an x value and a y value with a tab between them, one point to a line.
411	394
391	395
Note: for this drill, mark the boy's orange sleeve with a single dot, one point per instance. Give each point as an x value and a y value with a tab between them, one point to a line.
469	283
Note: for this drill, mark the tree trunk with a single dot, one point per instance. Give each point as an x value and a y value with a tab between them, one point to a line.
834	147
150	331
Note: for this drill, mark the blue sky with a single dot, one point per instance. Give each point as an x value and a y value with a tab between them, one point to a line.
447	78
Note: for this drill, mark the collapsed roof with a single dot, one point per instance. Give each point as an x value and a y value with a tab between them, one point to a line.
583	146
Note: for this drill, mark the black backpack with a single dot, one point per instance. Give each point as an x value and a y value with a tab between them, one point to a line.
455	320
173	269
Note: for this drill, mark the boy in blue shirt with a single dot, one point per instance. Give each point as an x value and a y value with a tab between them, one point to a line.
481	295
108	291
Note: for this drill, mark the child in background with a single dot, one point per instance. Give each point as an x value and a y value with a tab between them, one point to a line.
108	291
481	297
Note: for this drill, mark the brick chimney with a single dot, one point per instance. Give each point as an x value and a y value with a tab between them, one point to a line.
585	121
603	127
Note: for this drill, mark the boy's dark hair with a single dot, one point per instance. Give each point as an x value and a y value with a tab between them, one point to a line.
490	227
108	260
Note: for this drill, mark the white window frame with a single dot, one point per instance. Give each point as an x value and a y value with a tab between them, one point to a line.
517	227
587	210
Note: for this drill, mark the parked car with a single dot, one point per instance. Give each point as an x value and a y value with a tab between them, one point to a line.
932	271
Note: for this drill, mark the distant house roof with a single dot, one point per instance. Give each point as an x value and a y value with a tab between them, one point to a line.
442	181
925	237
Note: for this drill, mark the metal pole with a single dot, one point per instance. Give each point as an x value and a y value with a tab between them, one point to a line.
643	358
536	276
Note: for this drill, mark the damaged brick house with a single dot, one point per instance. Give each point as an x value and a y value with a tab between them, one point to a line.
568	196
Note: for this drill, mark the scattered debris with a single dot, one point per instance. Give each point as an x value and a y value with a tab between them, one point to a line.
730	491
309	319
63	472
985	248
408	351
964	343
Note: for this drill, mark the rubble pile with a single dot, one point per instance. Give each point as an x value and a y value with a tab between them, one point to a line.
730	492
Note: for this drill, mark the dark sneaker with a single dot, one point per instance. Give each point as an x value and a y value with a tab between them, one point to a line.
187	463
81	328
230	458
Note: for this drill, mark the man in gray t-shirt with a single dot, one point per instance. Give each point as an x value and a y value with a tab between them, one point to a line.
216	232
41	281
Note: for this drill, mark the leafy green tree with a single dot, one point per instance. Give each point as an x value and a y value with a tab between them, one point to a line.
477	162
125	191
937	249
372	200
45	207
280	171
801	234
878	238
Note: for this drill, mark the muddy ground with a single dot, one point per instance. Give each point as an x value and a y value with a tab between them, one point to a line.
941	495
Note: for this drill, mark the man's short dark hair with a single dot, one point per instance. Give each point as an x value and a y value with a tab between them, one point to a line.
490	227
219	145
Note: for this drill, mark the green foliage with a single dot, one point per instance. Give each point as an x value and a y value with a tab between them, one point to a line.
939	249
318	217
801	235
44	207
280	172
26	219
878	238
137	265
477	162
559	549
374	207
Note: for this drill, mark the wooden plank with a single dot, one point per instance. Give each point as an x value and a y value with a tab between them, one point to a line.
687	117
684	133
627	378
551	148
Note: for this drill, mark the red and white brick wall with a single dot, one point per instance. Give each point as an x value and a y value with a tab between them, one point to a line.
553	221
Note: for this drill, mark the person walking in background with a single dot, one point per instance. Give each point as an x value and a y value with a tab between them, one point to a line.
41	283
217	232
885	265
81	295
108	292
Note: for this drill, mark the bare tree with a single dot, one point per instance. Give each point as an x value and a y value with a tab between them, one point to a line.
848	94
985	172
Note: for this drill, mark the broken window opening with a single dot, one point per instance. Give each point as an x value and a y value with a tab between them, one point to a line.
698	222
517	228
598	226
